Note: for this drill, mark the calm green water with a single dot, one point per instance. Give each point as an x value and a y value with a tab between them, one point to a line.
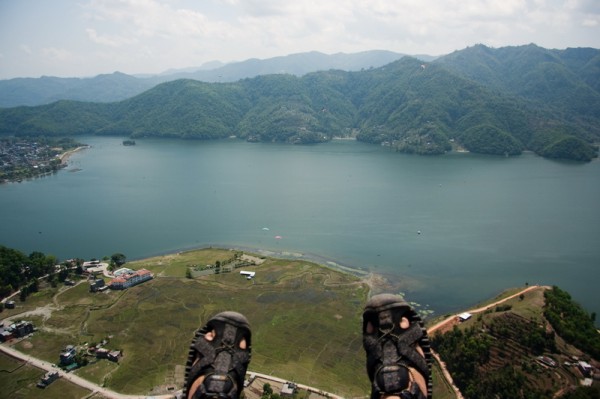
486	223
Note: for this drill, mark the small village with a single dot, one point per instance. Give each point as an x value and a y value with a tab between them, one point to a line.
26	158
72	356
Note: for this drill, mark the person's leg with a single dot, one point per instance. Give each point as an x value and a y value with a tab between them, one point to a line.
397	349
218	358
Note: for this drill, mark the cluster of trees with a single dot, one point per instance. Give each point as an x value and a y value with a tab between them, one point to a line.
18	270
592	392
22	272
572	322
468	356
530	335
412	106
463	352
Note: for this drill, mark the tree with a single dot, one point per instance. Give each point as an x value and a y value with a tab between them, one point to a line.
33	286
23	294
81	358
218	267
52	280
63	274
118	259
188	273
267	390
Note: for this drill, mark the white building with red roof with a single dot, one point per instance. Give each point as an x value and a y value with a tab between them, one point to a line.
126	280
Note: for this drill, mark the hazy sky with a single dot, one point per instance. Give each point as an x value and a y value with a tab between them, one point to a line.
89	37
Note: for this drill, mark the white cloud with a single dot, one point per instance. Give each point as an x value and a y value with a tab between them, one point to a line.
106	40
26	49
153	35
146	18
56	54
237	29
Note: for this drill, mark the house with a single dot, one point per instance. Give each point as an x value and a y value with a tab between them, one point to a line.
102	353
6	335
249	380
248	275
97	285
88	267
114	356
16	330
288	389
464	316
23	328
48	379
585	368
67	356
129	278
546	361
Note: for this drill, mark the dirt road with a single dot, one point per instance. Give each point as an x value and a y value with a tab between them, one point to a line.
112	394
71	377
452	320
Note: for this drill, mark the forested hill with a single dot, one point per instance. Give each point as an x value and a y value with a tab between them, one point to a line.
425	108
118	86
567	82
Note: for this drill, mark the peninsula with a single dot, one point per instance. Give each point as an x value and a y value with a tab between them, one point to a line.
27	157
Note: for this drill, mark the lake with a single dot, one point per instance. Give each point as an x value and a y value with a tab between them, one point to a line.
450	230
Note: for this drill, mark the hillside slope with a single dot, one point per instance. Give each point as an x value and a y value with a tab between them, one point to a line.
411	106
567	82
514	351
119	86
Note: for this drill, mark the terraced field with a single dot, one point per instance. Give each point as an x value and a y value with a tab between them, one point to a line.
518	336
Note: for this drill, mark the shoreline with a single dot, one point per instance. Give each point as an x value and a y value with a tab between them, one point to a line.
318	259
64	157
371	279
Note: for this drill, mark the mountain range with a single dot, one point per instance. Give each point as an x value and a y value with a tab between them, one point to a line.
493	101
119	86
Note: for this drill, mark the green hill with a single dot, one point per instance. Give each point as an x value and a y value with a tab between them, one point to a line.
527	99
528	347
119	86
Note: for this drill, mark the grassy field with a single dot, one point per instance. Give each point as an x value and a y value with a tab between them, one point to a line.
18	381
441	388
305	319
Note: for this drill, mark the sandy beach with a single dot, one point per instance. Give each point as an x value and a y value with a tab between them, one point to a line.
65	156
